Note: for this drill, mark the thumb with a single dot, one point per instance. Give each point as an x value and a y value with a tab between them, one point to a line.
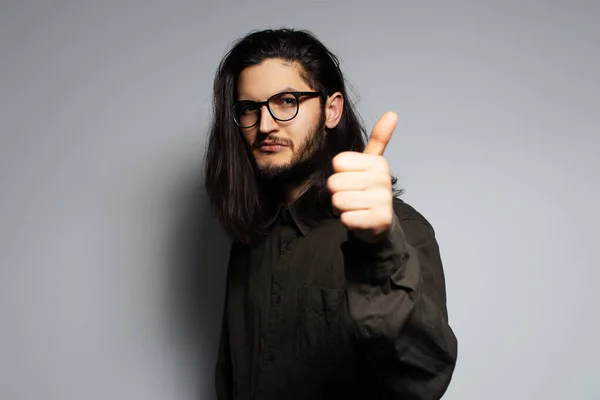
381	134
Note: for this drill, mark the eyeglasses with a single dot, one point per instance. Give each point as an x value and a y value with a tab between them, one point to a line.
282	107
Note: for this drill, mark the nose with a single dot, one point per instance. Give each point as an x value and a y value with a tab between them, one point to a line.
267	122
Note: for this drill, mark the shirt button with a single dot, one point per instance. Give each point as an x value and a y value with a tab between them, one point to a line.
288	246
268	359
277	299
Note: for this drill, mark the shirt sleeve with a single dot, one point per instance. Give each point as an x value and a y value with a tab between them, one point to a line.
223	369
396	305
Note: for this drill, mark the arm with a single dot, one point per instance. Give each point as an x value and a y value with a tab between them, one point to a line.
223	370
396	300
223	376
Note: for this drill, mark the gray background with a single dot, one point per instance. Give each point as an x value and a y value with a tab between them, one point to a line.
111	277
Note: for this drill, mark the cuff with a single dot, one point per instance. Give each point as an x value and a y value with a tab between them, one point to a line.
376	262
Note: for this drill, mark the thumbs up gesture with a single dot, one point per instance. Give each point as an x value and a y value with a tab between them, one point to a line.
361	185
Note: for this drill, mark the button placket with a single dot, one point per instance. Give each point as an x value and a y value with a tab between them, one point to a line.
288	238
277	292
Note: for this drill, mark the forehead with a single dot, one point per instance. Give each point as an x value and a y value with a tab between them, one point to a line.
263	80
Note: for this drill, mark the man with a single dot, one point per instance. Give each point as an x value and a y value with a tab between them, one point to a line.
335	287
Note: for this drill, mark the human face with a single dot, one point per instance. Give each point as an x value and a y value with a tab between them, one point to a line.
278	146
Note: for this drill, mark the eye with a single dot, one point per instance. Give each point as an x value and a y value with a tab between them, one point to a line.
248	108
287	101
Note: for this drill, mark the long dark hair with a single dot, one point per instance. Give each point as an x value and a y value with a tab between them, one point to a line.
235	193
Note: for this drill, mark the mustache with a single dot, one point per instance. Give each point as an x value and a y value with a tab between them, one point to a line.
274	140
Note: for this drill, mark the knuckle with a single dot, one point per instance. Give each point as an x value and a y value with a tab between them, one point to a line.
337	199
332	183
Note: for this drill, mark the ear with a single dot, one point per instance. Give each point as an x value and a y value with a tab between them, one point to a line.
334	106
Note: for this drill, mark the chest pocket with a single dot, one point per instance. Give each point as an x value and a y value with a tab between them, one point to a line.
319	319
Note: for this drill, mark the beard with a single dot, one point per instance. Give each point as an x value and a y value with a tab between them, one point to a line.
309	158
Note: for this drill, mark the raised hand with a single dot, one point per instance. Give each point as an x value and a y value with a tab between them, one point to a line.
361	185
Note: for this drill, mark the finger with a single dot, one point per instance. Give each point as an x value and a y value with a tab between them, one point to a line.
349	161
357	219
348	181
381	134
351	200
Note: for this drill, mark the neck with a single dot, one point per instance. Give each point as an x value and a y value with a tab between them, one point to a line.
293	193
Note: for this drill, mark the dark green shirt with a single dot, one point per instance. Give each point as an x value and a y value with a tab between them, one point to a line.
315	313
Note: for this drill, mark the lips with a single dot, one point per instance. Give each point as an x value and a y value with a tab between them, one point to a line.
272	144
271	147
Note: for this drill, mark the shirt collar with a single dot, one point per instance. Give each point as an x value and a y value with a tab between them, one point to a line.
290	215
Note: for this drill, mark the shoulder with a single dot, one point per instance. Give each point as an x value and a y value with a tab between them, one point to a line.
407	213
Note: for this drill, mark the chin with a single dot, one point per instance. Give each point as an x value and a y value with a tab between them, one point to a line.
272	160
266	165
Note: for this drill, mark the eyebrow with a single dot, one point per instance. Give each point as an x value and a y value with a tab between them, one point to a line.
286	89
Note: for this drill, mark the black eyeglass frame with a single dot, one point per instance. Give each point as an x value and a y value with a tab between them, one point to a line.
260	105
